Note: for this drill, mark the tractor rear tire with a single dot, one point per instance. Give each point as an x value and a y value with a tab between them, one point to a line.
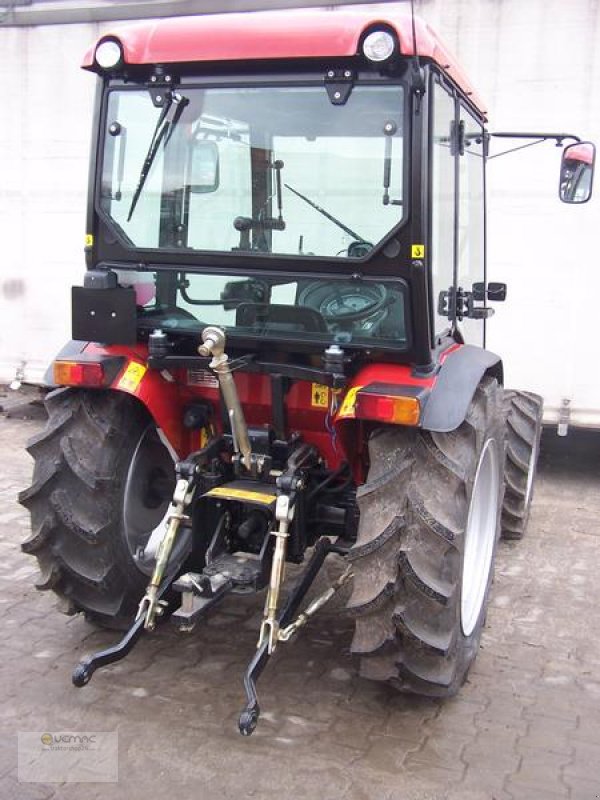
79	518
523	433
423	561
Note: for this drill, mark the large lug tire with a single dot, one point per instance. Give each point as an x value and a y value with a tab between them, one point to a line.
423	560
101	483
524	412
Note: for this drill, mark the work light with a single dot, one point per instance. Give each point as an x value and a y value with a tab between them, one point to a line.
379	46
109	53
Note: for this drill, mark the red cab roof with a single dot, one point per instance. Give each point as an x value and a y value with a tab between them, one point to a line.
261	35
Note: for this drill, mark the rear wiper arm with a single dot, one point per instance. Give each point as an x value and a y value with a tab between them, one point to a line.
326	214
163	131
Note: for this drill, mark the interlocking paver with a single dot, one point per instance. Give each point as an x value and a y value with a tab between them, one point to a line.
525	725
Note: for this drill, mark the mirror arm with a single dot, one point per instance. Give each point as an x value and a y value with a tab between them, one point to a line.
558	138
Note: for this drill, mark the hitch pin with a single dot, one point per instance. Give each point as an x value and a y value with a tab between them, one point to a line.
150	606
285	634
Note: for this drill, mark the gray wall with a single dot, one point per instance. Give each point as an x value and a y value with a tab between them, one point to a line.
534	62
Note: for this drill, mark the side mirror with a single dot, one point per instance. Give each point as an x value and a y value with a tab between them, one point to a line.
577	172
203	167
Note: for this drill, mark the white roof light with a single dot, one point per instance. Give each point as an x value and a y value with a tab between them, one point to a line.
379	46
108	54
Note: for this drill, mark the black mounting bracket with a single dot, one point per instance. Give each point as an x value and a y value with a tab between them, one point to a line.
339	84
458	304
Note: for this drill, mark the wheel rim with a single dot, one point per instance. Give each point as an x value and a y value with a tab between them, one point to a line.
148	487
480	536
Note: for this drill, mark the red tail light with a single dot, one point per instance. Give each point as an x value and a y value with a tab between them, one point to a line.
78	373
388	408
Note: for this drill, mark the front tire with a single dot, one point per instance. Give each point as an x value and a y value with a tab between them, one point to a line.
94	501
423	561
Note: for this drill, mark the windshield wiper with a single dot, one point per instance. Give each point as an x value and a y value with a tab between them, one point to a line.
163	131
326	214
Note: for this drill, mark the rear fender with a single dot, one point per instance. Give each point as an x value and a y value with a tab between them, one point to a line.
441	400
126	371
455	386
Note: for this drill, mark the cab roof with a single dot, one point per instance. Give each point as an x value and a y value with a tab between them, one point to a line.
287	34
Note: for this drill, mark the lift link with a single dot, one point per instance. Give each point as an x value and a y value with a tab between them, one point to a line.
284	624
269	629
150	606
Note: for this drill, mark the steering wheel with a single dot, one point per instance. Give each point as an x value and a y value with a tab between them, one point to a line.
350	301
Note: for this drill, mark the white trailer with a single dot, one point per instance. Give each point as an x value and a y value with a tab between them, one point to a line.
538	68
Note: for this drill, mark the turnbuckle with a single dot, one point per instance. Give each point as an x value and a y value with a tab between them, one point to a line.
269	629
285	634
150	605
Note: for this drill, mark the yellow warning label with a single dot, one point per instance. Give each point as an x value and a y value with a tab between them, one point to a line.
241	494
319	396
89	240
417	251
132	377
203	438
349	404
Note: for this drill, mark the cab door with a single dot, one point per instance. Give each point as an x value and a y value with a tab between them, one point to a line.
457	240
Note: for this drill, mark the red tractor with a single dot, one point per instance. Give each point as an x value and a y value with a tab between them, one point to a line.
279	348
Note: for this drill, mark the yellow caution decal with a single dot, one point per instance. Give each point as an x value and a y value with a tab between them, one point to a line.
241	494
89	240
417	251
349	404
131	378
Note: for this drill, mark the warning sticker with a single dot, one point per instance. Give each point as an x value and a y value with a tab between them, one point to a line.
132	377
349	404
241	494
202	377
89	240
417	251
319	396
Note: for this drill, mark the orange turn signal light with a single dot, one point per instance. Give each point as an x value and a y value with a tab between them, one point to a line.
78	373
388	408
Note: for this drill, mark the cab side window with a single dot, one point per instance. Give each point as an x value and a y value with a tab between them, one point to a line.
443	195
471	244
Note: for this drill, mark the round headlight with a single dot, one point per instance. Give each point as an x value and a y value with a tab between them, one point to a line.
108	54
379	46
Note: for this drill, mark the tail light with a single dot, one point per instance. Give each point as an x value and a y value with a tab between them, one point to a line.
78	373
398	409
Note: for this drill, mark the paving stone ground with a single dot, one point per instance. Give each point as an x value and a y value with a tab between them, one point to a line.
526	726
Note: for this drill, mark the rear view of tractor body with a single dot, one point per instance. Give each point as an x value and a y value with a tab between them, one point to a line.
279	347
